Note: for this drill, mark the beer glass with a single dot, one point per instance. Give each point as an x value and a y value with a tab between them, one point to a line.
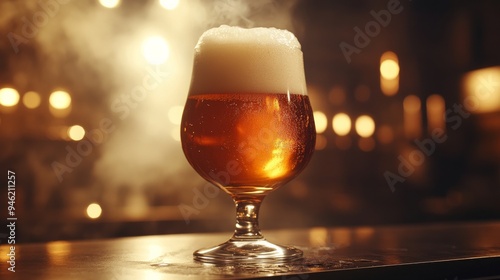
248	128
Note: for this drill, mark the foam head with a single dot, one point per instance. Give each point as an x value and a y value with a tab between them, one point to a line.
239	60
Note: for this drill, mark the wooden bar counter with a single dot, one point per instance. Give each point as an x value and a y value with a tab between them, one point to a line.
431	251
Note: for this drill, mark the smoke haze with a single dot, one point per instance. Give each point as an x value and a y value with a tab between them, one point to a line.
98	54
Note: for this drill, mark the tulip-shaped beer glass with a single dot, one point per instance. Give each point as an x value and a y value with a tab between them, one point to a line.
248	128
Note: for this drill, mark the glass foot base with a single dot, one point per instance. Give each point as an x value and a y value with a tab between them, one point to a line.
248	252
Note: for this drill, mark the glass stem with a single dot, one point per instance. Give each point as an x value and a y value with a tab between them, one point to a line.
247	219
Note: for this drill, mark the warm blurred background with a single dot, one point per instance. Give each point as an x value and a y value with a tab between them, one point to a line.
406	97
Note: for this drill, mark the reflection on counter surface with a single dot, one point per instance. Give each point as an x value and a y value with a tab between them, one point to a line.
433	251
406	97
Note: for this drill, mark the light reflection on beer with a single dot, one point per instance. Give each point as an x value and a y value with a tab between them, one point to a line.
273	104
277	166
208	141
268	138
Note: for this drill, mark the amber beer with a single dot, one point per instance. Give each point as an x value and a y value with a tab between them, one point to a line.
248	142
247	125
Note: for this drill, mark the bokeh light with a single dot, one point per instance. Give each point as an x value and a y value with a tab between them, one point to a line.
389	69
389	73
320	121
94	211
76	132
9	97
110	4
481	91
341	124
365	126
436	108
155	50
412	116
31	100
60	100
169	4
411	104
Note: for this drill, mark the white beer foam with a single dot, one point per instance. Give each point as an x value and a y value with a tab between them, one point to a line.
257	60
